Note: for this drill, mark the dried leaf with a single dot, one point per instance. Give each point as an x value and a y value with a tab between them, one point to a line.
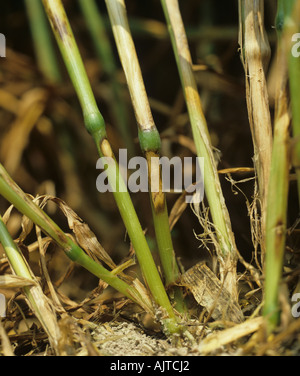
7	214
209	292
224	337
44	311
83	234
9	102
143	298
14	281
26	225
179	207
177	210
42	249
236	170
13	144
255	56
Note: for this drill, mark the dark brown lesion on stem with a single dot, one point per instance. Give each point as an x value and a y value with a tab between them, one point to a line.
280	230
59	24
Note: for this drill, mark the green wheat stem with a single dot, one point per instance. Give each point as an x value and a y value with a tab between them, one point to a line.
132	223
290	9
276	220
95	125
93	119
105	54
13	253
41	35
149	139
202	140
167	256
